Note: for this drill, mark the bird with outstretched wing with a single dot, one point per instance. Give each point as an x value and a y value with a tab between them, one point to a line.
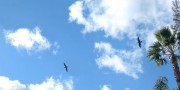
66	67
139	42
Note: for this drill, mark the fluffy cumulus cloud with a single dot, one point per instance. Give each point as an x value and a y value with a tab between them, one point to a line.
27	39
122	18
120	61
6	84
49	84
52	84
105	87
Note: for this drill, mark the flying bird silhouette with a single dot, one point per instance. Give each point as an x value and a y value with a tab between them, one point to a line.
66	67
139	42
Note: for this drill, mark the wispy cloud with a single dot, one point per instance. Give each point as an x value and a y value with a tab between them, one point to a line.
127	89
120	61
55	48
27	39
120	18
105	87
49	84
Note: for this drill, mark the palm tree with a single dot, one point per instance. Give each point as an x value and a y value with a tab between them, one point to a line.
176	10
161	84
166	48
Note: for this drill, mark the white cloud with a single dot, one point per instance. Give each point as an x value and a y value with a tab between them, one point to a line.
52	84
150	39
119	18
6	84
49	84
28	39
55	47
122	19
127	89
105	87
120	61
76	12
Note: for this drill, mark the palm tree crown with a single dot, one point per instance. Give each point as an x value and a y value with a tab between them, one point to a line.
161	84
165	47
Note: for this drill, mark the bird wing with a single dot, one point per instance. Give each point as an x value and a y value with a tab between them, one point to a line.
66	67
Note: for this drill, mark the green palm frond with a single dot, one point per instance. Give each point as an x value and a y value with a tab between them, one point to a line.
155	48
177	57
165	36
155	54
161	84
178	35
172	40
178	40
161	61
163	33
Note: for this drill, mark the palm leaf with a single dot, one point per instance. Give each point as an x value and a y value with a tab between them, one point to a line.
161	84
178	36
164	36
155	54
177	57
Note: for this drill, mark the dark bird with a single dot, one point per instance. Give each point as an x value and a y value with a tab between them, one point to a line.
139	42
66	67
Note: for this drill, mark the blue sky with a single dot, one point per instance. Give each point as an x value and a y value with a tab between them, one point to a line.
95	38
